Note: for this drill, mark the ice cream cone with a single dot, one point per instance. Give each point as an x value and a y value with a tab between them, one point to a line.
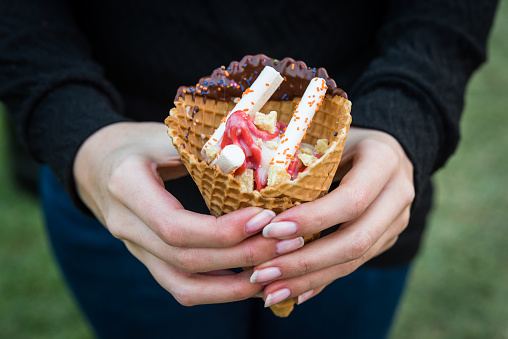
193	120
196	117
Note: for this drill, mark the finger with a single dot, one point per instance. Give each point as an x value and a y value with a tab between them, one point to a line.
137	185
350	242
250	252
193	289
309	294
304	287
359	188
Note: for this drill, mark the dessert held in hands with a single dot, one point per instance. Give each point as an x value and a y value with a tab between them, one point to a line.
255	147
263	113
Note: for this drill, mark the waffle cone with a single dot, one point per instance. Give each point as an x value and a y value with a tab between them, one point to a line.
195	118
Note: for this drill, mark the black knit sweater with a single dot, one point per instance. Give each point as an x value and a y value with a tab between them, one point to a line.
68	68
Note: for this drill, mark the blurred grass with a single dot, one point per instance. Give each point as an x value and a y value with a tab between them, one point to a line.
459	284
34	303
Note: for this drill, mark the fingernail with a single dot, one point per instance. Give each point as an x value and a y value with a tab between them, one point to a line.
259	221
304	297
265	275
277	297
280	229
286	246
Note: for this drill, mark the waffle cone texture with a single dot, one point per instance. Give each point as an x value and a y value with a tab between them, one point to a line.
192	121
195	118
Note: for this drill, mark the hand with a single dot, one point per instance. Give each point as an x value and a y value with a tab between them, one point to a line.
119	173
372	202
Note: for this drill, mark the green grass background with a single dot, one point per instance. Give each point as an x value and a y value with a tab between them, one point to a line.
458	287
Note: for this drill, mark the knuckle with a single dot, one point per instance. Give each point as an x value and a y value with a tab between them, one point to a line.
119	176
250	254
224	234
394	158
169	233
239	292
304	266
387	151
114	183
360	200
185	259
382	150
114	227
410	193
360	244
116	232
183	297
308	285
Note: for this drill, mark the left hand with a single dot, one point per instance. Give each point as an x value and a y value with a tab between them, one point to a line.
372	203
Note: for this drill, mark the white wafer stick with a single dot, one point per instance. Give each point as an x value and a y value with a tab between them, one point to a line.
230	158
251	102
260	92
296	130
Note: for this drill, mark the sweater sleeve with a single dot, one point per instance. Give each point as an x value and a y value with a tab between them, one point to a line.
51	84
414	89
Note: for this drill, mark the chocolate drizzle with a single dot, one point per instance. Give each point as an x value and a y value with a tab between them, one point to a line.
230	82
194	111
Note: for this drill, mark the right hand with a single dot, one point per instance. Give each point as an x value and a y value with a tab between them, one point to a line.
120	172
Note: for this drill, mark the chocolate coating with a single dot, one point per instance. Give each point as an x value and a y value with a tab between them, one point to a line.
230	82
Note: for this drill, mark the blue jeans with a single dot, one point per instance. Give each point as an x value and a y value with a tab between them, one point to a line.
121	299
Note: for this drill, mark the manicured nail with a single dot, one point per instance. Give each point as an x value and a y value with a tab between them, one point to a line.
259	221
265	275
286	246
277	296
304	297
280	229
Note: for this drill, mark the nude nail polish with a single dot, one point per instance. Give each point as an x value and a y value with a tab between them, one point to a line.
304	297
259	221
280	229
277	296
286	246
265	275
